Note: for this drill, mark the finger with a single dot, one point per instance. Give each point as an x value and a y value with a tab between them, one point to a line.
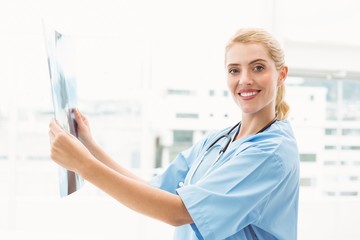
78	116
82	116
52	131
51	134
52	125
55	128
51	137
83	120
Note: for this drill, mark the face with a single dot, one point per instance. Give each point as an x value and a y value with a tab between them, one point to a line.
253	78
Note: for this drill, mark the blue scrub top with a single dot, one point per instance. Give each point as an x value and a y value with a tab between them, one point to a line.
250	193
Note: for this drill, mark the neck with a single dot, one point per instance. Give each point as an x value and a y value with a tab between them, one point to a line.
254	125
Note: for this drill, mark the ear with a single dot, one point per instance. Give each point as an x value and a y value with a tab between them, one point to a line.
282	75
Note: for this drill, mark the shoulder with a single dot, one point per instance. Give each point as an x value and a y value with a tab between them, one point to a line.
277	144
282	137
279	136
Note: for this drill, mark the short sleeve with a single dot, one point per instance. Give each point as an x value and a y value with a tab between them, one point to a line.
233	195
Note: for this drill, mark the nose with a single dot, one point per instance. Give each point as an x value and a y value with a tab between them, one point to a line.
245	78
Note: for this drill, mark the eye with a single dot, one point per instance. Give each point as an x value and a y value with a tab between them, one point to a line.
233	71
258	68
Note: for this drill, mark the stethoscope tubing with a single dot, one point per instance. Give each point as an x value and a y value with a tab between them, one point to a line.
223	149
221	152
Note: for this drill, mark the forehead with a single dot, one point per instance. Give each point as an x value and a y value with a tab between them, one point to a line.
242	53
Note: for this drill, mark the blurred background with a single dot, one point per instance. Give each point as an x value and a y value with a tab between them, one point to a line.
150	78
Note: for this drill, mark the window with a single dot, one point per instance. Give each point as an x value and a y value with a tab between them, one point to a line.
329	147
348	193
187	115
330	131
354	178
183	137
329	163
306	182
351	147
351	132
182	92
308	157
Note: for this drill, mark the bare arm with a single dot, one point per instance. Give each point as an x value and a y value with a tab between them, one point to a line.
101	155
138	196
70	153
84	135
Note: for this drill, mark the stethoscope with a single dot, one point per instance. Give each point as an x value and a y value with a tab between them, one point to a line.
227	140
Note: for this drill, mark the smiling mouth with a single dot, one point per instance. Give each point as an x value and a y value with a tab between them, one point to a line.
248	94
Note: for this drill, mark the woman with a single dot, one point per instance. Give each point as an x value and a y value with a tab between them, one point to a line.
238	183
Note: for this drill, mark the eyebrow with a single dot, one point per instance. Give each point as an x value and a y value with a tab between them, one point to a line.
253	61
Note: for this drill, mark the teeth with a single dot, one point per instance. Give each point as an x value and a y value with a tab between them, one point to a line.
247	94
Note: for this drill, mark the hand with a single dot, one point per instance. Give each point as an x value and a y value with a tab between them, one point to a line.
83	128
67	150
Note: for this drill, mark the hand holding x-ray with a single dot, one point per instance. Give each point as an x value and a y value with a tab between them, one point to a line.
61	62
67	150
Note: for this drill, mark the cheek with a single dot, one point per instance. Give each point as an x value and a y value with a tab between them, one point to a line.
231	85
273	89
270	81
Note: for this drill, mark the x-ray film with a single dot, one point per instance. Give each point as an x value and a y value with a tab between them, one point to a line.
61	62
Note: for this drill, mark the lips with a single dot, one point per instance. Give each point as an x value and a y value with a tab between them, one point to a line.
248	93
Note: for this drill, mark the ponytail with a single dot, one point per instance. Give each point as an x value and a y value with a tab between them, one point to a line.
281	107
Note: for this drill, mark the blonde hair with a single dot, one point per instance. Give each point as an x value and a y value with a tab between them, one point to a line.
256	35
